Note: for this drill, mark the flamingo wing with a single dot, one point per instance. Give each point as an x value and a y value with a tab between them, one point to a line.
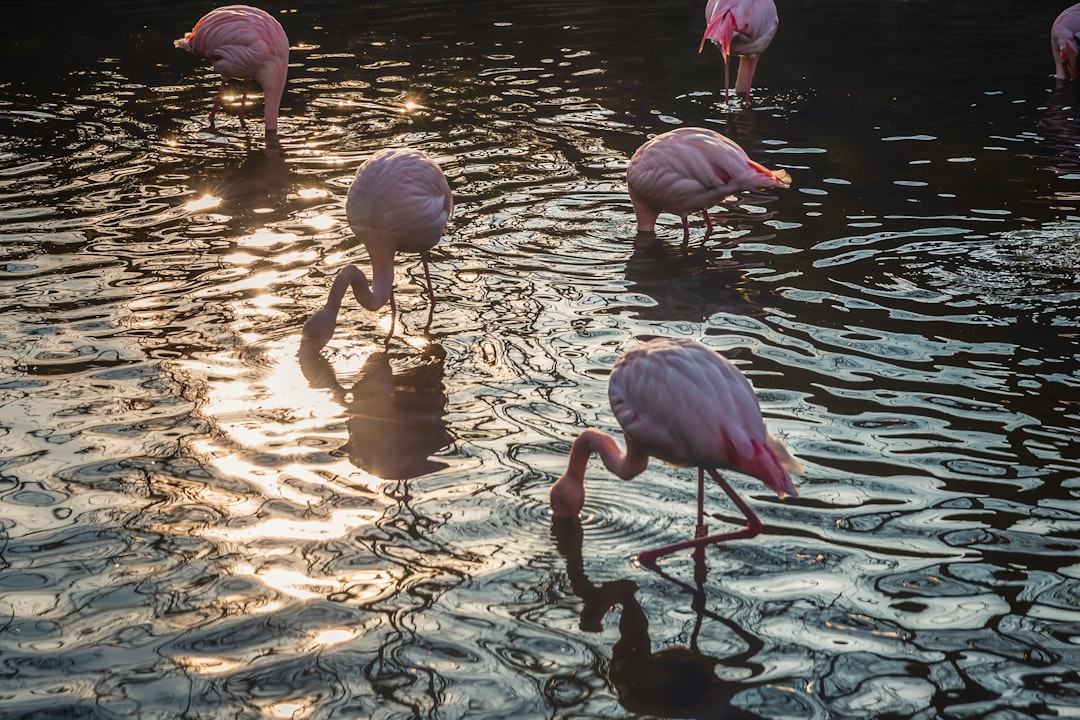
689	405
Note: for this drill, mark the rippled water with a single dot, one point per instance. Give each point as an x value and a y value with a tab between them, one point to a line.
195	523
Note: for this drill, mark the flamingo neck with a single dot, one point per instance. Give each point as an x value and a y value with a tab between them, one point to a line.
382	279
568	492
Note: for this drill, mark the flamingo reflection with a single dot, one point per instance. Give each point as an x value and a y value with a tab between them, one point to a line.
396	419
676	681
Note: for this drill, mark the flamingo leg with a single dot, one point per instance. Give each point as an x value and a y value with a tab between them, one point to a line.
685	229
243	101
427	278
217	101
708	223
701	529
393	319
753	527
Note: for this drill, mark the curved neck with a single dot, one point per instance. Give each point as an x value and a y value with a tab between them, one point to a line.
382	280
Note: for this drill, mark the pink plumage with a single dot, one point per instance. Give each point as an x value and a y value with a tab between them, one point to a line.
744	28
1063	42
399	201
679	401
247	44
691	169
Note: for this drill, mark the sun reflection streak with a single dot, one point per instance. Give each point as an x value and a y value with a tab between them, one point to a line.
203	203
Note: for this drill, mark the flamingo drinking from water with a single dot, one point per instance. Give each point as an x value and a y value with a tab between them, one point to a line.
688	170
245	43
399	201
679	401
744	28
1063	42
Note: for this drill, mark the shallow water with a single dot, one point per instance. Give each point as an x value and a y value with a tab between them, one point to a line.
195	523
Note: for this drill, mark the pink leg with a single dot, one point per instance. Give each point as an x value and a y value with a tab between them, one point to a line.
708	222
685	229
217	101
752	528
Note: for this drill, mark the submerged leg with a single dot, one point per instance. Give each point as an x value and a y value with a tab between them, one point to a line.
243	101
752	528
217	101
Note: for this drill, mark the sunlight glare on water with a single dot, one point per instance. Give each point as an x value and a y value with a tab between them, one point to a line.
198	518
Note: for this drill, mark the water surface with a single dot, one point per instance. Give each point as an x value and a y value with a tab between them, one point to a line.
196	523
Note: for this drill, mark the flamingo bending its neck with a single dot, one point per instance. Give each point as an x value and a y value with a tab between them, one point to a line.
681	402
689	170
399	201
744	28
245	43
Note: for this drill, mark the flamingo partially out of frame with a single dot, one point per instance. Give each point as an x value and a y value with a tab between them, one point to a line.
744	28
248	44
1063	42
679	401
399	201
691	169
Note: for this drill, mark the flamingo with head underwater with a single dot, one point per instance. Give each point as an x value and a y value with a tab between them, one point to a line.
744	28
1063	42
681	402
399	201
691	169
245	43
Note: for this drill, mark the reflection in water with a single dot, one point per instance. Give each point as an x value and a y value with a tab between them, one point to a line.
397	420
676	682
261	180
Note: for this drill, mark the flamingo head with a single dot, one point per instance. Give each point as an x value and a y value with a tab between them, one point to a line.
567	496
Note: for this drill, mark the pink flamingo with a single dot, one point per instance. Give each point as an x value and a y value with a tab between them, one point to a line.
245	43
679	401
399	201
1063	42
688	170
744	28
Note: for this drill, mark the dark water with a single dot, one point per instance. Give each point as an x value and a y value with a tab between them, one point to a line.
195	524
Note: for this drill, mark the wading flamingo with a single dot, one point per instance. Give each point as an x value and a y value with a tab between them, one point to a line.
688	170
744	28
679	401
245	43
1063	42
399	201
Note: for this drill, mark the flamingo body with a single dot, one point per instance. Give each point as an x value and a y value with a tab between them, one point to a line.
679	401
691	169
744	28
1063	42
247	44
399	201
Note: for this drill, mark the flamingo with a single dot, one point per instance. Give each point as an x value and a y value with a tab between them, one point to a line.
399	201
1063	42
744	28
246	43
688	170
681	402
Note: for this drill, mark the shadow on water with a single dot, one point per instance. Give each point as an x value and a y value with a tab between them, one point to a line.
675	681
396	419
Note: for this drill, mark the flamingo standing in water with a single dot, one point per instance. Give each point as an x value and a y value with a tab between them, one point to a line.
744	28
246	43
679	401
399	201
1063	42
688	170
